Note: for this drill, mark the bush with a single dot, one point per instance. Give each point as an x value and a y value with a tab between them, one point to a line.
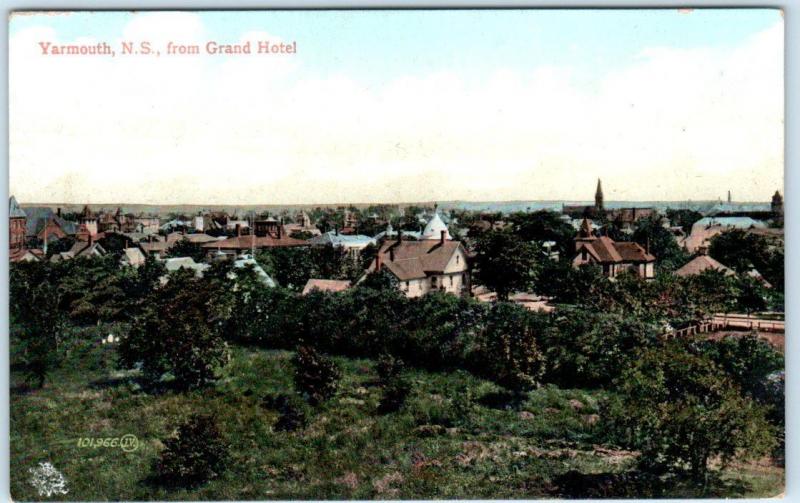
175	335
195	455
679	410
292	416
315	376
395	392
509	353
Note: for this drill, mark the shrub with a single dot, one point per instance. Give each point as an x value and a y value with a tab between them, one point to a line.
509	351
196	454
395	392
315	376
292	416
680	409
175	335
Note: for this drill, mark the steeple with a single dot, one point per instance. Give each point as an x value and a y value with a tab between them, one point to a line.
729	197
598	197
777	203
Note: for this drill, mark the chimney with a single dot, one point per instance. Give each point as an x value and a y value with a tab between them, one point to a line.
336	229
391	253
648	246
378	262
58	212
90	239
280	229
238	230
441	239
399	236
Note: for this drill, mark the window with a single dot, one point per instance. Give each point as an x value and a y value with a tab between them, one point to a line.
451	281
458	258
406	285
433	281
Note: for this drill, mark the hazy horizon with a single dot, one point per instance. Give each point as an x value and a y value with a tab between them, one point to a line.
389	106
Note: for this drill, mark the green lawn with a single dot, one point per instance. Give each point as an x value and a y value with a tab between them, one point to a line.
437	446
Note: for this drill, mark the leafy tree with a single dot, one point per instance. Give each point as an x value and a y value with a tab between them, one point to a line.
114	243
747	359
752	295
651	234
34	307
505	263
589	348
680	410
315	376
60	245
739	250
509	351
684	218
545	225
196	454
176	333
303	235
289	267
185	248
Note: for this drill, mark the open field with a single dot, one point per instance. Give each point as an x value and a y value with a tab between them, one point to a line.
457	436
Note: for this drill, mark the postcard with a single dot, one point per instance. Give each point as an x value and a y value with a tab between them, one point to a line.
396	254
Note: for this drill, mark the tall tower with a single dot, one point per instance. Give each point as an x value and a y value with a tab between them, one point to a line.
729	197
777	204
598	197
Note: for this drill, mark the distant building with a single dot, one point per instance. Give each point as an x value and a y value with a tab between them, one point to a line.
132	257
622	217
702	263
17	220
706	228
777	204
612	256
88	221
352	244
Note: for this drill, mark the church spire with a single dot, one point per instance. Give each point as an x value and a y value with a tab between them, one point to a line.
598	197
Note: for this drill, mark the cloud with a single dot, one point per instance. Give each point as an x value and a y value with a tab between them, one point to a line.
675	124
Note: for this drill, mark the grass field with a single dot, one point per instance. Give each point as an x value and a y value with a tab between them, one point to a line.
457	436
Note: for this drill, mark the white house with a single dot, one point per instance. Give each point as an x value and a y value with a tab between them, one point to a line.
434	263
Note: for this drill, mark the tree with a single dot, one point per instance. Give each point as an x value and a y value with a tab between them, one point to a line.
59	245
739	250
752	295
176	333
195	454
315	376
509	351
679	409
684	218
185	248
544	225
661	242
34	307
505	263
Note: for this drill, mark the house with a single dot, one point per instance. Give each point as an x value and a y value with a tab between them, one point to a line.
702	263
17	221
176	263
613	256
88	223
89	248
707	227
132	257
146	224
302	224
325	285
430	264
247	261
26	255
243	244
352	244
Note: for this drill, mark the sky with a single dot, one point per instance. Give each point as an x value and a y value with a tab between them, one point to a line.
399	106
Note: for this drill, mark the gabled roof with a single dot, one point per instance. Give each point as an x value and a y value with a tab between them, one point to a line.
416	259
133	256
248	261
14	211
84	249
251	241
345	240
701	263
606	250
325	285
